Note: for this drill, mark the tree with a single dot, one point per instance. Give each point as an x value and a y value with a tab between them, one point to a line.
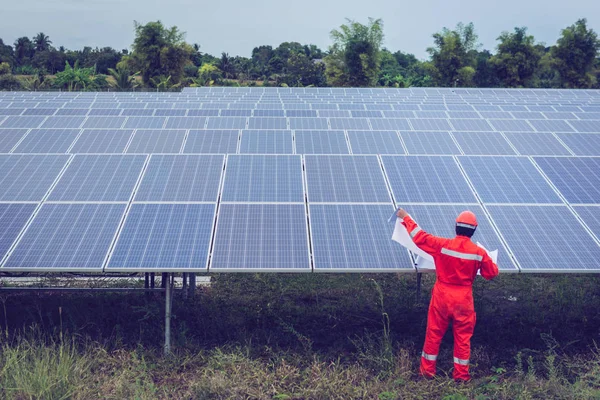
303	71
41	42
260	58
158	51
355	58
453	55
74	78
24	51
575	55
6	53
517	58
226	65
50	61
485	74
123	79
208	74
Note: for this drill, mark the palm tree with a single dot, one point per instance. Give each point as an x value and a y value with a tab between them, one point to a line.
123	80
226	65
23	49
42	42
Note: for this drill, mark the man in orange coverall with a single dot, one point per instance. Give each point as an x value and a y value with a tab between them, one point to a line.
456	264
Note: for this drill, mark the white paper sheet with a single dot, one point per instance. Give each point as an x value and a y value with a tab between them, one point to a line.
423	260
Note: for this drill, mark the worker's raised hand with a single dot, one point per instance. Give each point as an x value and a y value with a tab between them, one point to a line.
401	213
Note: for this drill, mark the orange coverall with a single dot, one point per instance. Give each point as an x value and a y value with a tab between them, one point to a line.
456	264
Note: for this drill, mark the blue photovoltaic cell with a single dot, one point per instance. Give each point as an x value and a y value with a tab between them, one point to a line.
169	113
301	113
483	143
406	107
578	179
345	179
582	144
334	114
464	115
355	238
399	114
68	237
63	122
426	179
587	126
430	125
528	115
235	113
366	114
559	115
321	142
591	216
440	220
539	108
72	111
349	123
472	125
102	141
9	138
537	144
39	111
551	126
271	237
546	238
164	237
138	112
13	218
348	106
268	113
227	123
510	107
99	178
28	177
104	122
10	111
429	143
22	122
390	124
433	107
586	115
508	125
309	123
431	114
145	122
156	141
508	180
267	123
211	141
266	142
375	142
181	178
105	112
185	123
263	178
47	141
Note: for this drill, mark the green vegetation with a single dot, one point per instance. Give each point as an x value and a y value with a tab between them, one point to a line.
162	60
301	337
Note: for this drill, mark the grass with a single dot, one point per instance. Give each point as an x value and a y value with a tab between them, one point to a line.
301	337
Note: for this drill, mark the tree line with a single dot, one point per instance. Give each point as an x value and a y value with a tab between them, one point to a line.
161	58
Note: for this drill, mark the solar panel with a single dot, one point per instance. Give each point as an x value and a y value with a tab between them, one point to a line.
156	141
551	126
39	111
9	138
431	114
429	143
472	125
591	217
184	178
464	115
375	142
391	124
430	125
145	122
170	113
321	142
559	115
102	141
104	122
345	179
67	237
48	141
440	220
260	178
309	123
105	112
261	237
349	123
99	178
163	237
578	179
508	180
211	141
355	238
266	142
28	177
63	122
587	126
185	123
13	218
334	114
227	122
22	122
537	144
426	179
138	112
267	123
582	144
483	143
507	125
546	238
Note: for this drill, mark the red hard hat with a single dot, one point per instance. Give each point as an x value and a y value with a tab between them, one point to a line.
467	219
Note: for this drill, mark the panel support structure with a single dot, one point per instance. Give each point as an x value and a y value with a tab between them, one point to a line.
168	304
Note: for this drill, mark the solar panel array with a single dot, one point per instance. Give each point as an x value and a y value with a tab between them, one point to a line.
295	179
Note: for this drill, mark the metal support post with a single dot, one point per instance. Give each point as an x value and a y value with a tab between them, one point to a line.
163	282
168	301
184	285
152	280
192	287
419	275
146	280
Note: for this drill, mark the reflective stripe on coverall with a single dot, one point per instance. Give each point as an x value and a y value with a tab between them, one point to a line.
457	261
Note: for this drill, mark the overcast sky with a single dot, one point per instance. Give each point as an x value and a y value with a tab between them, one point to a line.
237	26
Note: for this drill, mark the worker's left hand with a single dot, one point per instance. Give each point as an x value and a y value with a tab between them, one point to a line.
401	213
